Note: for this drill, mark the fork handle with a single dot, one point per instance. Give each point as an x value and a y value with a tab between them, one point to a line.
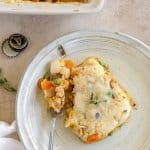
52	131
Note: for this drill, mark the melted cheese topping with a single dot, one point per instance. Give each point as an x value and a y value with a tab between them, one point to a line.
100	105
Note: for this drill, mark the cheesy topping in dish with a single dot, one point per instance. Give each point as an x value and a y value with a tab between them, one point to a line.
96	105
49	1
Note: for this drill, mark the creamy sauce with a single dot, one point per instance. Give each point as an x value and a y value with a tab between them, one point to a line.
92	78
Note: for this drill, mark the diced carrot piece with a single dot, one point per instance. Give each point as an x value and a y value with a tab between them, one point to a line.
39	82
93	138
69	64
45	85
73	72
65	84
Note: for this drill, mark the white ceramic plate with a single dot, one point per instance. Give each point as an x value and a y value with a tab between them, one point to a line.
129	60
44	8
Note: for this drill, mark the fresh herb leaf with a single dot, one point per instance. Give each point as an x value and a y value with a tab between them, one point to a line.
4	84
110	133
5	79
104	65
109	93
94	99
57	81
47	75
120	125
10	89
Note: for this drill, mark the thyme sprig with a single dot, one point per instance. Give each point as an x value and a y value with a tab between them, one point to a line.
5	84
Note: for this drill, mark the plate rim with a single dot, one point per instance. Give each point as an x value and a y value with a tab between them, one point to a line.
141	46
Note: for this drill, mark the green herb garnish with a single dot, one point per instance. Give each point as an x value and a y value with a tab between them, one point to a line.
109	93
57	81
120	125
104	65
94	99
2	82
110	133
5	84
47	75
10	89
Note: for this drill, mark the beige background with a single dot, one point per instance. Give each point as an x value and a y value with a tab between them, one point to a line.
128	16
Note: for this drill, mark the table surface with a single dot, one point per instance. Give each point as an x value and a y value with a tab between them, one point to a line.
127	16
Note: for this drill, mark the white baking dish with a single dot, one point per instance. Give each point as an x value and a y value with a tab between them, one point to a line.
51	8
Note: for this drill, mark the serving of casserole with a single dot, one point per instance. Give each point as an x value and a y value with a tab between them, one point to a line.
95	103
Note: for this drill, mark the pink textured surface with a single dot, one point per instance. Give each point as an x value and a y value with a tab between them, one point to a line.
128	16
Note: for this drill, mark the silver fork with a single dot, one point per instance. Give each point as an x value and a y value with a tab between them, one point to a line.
55	116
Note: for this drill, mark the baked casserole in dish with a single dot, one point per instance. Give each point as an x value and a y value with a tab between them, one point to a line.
50	7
